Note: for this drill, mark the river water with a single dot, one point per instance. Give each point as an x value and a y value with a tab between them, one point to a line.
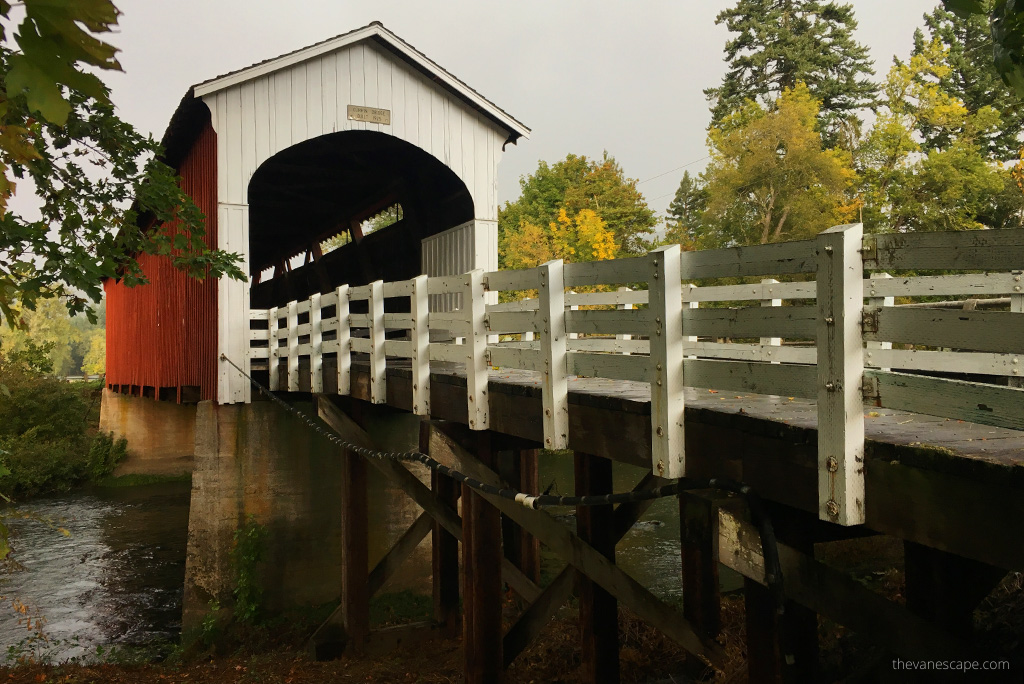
117	578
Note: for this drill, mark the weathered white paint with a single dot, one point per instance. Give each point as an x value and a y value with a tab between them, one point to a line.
270	107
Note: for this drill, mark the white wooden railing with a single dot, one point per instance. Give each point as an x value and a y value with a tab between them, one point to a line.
830	340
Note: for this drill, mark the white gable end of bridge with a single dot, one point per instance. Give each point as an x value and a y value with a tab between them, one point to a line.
271	107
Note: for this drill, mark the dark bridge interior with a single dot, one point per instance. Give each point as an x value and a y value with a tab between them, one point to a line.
328	186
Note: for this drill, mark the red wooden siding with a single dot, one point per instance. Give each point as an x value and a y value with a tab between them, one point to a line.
164	334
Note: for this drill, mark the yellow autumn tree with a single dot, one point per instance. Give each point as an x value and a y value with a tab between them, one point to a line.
583	237
770	179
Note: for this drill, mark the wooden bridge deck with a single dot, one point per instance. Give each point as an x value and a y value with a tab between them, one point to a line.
947	484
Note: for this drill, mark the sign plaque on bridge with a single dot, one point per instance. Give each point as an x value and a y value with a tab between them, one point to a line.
369	114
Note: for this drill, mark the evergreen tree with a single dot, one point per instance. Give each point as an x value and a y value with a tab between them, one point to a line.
973	80
780	43
684	213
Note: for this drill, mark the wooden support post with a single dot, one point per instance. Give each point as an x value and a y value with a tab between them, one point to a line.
293	346
599	611
420	361
765	660
945	588
444	549
344	341
378	354
840	290
529	546
666	293
550	324
698	527
481	562
355	598
316	345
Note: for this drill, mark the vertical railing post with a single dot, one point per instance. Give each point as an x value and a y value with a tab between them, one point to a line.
691	340
344	338
1016	306
769	300
419	306
273	356
293	346
665	308
316	345
474	307
378	359
624	306
878	301
550	323
840	290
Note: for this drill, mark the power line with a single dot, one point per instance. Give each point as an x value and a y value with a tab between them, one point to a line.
695	161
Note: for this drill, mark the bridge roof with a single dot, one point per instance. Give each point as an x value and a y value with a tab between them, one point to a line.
377	33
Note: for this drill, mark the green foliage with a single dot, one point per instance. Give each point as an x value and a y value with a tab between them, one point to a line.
973	79
46	431
769	179
685	212
574	185
780	43
1006	24
95	176
906	187
246	557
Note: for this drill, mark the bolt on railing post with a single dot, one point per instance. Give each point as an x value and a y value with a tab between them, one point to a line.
550	323
344	340
420	309
474	307
378	358
666	293
840	291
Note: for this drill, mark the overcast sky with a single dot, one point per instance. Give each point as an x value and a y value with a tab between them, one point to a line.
585	75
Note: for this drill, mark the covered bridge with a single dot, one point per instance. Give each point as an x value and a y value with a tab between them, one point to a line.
287	154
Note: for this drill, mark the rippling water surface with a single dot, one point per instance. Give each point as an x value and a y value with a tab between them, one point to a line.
116	580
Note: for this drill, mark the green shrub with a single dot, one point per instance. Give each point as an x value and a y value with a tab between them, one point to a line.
246	557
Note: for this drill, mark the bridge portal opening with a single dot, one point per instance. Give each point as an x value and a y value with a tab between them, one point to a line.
346	208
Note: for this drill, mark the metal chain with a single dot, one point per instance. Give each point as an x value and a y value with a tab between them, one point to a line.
759	516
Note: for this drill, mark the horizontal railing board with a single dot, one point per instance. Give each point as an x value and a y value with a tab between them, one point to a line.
757	260
511	322
525	279
259	352
521	305
401	288
398	321
787	380
454	353
515	357
401	348
944	285
612	366
259	314
991	331
608	322
979	363
360	291
967	250
359	320
751	352
754	291
446	284
610	345
360	344
259	334
612	271
794	322
970	401
606	298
